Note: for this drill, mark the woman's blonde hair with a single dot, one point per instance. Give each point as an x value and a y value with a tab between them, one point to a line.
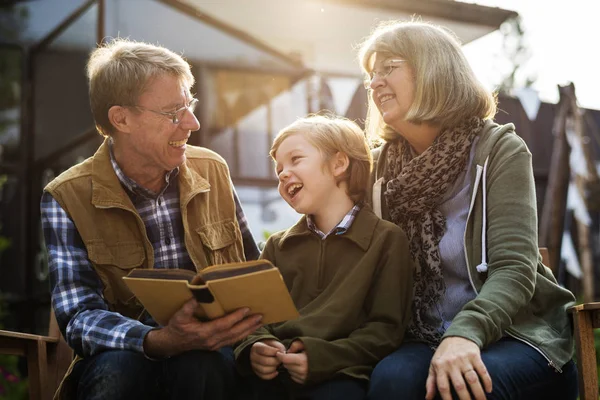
446	89
119	71
331	135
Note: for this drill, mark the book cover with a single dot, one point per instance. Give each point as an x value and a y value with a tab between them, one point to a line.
219	290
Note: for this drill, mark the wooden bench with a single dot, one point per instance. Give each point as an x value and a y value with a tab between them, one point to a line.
586	317
48	358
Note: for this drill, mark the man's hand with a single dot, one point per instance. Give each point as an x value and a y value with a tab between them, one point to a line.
457	360
295	361
263	358
185	332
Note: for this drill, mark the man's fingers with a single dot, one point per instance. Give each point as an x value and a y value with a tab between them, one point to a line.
237	332
187	310
226	322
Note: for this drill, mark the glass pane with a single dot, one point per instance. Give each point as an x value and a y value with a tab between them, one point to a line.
10	103
61	108
266	212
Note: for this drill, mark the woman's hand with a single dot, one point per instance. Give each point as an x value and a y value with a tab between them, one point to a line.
457	360
295	361
263	358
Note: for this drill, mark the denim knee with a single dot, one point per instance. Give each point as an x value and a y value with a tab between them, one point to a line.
402	374
116	374
200	374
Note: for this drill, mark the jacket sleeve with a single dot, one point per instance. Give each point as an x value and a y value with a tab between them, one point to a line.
512	250
242	349
388	307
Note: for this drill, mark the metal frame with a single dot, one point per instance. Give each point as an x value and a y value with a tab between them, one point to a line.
29	170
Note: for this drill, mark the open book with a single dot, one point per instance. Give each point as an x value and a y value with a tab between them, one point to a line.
219	289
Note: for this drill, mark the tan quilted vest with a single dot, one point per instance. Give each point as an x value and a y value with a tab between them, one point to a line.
115	235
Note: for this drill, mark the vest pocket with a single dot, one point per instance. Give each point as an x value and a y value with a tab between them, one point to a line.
219	239
112	262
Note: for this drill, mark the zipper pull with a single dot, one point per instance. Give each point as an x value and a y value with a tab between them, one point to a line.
552	365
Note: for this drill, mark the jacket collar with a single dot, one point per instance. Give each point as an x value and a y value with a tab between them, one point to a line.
360	232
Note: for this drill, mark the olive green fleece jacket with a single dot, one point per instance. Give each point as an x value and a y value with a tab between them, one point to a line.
516	294
353	292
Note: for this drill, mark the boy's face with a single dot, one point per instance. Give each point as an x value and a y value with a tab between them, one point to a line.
305	178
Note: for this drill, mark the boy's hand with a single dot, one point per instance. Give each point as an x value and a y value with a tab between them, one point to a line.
295	361
263	358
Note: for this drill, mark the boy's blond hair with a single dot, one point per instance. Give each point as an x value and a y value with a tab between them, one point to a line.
120	70
331	135
446	89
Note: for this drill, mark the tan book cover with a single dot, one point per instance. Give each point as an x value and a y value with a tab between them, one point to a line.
219	289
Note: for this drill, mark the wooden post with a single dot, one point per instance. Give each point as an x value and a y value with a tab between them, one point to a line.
583	230
555	199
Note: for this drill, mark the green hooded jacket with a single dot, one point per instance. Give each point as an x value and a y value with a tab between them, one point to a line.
516	294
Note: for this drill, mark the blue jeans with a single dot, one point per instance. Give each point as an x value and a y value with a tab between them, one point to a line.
282	388
518	371
123	374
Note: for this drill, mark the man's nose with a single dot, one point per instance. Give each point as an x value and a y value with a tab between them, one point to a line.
189	121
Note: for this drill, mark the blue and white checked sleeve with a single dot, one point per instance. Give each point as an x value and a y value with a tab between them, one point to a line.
81	311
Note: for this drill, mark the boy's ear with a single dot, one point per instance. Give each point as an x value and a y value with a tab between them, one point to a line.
340	163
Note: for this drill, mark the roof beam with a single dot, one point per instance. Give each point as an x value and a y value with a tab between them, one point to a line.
444	9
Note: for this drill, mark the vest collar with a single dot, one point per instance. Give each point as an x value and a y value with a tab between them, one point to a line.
108	192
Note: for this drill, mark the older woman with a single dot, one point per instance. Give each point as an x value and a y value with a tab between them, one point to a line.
489	320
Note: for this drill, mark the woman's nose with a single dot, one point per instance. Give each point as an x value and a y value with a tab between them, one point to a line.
376	82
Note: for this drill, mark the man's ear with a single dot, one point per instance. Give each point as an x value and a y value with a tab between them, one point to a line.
340	163
119	118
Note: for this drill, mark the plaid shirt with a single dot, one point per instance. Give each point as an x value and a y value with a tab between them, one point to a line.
340	228
81	311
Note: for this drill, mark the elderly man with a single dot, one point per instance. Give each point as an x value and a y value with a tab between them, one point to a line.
144	200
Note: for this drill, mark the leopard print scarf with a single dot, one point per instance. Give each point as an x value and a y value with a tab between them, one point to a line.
415	185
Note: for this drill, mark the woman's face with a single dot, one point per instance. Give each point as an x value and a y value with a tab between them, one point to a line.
393	92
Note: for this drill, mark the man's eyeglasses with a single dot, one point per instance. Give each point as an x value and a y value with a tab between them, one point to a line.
386	68
177	115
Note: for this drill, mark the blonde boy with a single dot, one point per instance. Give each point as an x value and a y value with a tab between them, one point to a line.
349	272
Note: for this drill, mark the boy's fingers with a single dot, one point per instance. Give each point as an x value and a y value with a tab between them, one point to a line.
267	377
264	349
271	362
275	343
296	346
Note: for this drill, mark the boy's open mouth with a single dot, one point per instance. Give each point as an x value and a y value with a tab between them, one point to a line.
294	188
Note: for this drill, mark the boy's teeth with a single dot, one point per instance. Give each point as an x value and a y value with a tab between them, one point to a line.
294	188
178	143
